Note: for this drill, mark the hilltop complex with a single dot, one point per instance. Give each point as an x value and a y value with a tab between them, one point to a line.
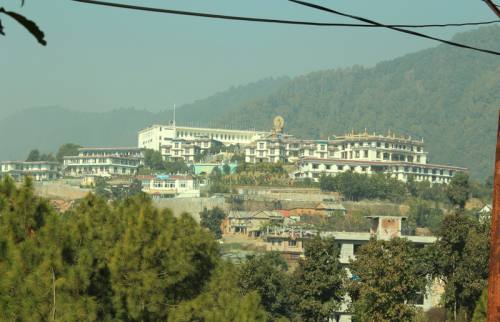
398	156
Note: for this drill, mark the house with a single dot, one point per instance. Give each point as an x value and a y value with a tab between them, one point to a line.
300	208
38	171
170	186
251	223
105	162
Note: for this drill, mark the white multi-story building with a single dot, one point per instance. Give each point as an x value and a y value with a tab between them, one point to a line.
104	162
434	173
166	186
399	157
267	149
155	136
39	170
178	149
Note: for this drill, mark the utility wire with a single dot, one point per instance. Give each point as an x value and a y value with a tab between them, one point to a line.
278	21
414	33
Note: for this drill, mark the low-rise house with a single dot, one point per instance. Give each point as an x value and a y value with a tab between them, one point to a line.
170	186
251	223
105	162
38	170
312	208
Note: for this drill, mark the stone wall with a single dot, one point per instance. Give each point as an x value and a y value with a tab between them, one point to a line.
192	206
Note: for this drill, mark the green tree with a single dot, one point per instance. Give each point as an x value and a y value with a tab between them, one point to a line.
461	261
153	160
221	301
65	150
481	310
33	156
212	220
30	259
387	278
177	166
267	275
425	215
318	283
159	262
459	189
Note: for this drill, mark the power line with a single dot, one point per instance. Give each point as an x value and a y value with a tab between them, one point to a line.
414	33
278	21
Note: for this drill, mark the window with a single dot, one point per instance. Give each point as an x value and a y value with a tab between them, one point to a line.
328	167
261	145
365	154
292	243
357	154
315	166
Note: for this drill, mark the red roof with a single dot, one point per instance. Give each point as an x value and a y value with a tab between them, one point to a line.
285	213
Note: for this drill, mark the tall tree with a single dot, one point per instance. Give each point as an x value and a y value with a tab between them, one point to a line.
33	156
387	278
159	262
153	160
318	283
461	261
65	150
458	190
212	220
267	274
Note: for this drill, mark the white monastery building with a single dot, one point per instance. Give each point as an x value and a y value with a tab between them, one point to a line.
155	136
38	171
401	157
104	162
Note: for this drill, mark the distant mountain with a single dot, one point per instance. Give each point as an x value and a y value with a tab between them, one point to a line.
210	110
447	95
46	128
49	127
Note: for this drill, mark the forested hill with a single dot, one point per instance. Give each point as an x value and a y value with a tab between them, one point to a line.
449	96
46	128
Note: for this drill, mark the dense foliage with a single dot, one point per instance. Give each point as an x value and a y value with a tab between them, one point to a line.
355	186
388	277
460	259
122	262
125	260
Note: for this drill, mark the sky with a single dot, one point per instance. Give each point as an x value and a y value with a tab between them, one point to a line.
100	58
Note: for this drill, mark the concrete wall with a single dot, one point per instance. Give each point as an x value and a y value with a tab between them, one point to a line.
55	190
192	206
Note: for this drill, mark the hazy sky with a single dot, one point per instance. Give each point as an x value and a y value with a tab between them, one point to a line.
101	58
